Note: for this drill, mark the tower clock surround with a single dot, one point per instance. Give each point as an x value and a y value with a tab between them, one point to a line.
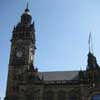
19	53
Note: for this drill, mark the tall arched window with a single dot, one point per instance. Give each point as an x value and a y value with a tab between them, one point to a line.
61	95
49	95
96	97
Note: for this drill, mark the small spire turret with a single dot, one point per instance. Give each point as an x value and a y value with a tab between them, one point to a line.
91	62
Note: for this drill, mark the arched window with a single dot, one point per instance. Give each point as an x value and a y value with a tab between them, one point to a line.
96	97
49	95
61	95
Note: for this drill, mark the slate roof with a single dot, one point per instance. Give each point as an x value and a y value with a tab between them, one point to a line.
59	75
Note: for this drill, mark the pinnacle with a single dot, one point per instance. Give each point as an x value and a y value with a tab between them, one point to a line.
27	7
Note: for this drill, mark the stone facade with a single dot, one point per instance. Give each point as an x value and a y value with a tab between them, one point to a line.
26	83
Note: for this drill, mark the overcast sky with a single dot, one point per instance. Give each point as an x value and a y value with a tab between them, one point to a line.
62	31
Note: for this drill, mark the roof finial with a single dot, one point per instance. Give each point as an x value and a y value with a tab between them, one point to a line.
27	7
90	43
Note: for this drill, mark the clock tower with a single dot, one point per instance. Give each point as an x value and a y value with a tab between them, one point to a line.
23	41
21	57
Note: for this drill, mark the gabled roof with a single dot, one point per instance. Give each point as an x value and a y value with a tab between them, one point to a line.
59	75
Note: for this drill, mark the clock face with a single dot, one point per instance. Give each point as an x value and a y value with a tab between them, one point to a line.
19	54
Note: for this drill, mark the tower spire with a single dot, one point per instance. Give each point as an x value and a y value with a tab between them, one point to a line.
27	7
90	43
92	62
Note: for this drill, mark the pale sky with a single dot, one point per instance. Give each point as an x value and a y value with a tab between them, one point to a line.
62	31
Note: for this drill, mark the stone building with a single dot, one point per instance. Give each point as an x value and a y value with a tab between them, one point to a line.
26	83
